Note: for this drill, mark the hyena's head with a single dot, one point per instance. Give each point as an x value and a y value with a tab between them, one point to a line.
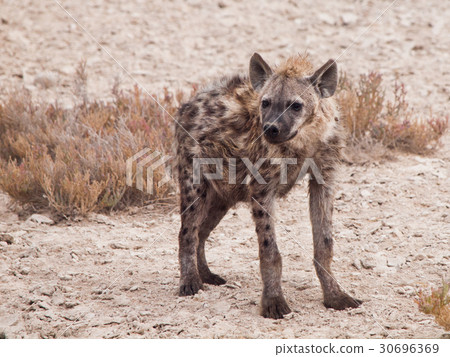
290	95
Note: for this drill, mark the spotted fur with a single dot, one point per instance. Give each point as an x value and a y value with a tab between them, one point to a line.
256	117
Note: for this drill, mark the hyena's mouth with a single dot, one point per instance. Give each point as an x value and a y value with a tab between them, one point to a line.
281	139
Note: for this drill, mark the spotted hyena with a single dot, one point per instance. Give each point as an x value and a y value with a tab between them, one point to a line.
244	122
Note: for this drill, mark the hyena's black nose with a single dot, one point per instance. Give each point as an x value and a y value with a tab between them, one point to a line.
271	131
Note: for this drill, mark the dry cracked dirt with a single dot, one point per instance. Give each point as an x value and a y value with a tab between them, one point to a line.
117	276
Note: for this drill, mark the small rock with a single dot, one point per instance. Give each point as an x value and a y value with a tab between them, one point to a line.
145	313
24	270
31	252
43	305
46	80
47	290
100	218
40	219
71	317
357	264
395	261
230	286
368	263
365	193
419	257
8	320
396	232
328	19
74	256
65	277
373	261
113	321
7	238
421	169
118	246
122	301
132	316
406	290
58	300
70	304
348	18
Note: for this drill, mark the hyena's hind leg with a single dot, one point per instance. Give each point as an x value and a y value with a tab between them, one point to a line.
216	209
321	211
192	214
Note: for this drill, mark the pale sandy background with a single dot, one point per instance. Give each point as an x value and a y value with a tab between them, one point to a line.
391	216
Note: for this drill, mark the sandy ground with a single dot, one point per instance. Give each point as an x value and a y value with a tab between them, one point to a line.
117	276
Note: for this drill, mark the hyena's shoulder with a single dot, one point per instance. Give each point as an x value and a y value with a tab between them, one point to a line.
224	109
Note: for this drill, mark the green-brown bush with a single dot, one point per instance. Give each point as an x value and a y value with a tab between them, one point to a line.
437	303
371	119
74	160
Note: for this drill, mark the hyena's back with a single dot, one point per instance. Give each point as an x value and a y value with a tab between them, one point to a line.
222	118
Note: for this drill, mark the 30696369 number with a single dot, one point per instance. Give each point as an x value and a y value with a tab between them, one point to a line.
409	348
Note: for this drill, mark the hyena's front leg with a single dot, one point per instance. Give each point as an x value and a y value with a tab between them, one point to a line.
216	210
321	211
192	213
273	304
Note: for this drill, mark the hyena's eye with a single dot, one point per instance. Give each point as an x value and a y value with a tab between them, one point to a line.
265	103
297	106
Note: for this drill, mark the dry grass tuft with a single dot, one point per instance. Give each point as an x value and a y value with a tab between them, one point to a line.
372	120
436	303
74	160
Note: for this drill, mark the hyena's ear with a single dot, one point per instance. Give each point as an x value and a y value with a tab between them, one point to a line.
325	79
259	72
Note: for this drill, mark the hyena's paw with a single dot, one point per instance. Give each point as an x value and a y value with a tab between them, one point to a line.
212	279
190	286
341	301
274	308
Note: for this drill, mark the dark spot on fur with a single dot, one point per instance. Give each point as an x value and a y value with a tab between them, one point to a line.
184	231
183	208
328	241
191	111
182	109
221	109
198	190
202	138
191	208
260	213
266	243
198	100
334	140
267	227
204	194
234	82
210	110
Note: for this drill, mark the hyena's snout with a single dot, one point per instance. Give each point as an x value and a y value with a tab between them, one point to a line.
278	132
271	131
